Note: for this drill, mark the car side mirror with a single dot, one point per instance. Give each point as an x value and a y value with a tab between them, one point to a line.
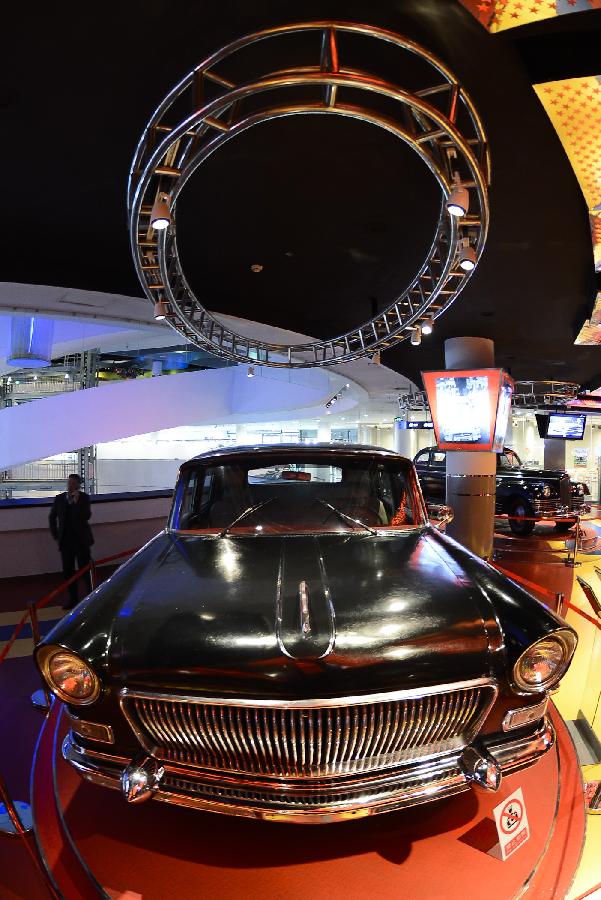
439	515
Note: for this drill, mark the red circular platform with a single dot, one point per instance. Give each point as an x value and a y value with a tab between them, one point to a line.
94	844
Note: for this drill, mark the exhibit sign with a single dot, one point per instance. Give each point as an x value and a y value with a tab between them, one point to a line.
469	407
512	823
414	426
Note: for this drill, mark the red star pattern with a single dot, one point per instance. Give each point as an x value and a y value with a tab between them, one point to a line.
497	15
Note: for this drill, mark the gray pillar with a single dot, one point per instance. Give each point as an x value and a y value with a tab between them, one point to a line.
404	441
555	454
471	476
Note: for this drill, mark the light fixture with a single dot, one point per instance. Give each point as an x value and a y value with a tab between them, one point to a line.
67	376
160	217
256	268
416	336
251	372
161	310
467	256
458	203
427	325
35	377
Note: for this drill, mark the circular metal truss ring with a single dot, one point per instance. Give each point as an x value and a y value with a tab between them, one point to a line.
439	122
536	394
526	395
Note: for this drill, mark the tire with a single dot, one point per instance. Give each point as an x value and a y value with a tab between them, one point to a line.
519	507
562	527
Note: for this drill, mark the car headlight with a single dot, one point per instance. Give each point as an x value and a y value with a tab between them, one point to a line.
68	676
546	491
543	664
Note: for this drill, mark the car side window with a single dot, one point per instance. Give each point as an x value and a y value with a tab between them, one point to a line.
439	459
422	458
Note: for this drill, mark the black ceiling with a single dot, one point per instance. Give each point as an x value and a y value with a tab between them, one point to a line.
338	214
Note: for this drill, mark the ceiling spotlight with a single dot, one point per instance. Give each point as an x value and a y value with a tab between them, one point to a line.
160	217
467	256
416	336
459	199
67	376
251	372
35	377
256	268
427	326
161	310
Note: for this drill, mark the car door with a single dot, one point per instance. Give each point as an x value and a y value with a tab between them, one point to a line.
438	475
431	477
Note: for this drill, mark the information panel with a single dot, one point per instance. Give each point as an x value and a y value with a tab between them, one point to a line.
470	408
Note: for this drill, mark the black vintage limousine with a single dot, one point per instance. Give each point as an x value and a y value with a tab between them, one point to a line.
527	494
301	644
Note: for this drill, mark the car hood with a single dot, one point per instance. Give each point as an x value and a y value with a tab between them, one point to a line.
543	474
226	616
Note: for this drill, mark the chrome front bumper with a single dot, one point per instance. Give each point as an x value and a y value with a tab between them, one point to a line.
319	801
550	509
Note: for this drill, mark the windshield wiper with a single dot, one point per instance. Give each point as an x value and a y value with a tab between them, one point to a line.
345	517
243	515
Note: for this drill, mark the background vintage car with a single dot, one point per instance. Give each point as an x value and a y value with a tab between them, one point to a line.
531	493
300	644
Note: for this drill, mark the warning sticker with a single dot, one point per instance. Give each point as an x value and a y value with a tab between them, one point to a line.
512	823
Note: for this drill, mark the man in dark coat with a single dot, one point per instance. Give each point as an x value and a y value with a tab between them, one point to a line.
68	519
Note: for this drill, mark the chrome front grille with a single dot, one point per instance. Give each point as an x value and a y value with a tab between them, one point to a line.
304	739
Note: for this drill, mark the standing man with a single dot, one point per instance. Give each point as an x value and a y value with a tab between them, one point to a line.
69	526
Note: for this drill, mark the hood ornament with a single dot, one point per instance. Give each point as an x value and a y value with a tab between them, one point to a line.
305	613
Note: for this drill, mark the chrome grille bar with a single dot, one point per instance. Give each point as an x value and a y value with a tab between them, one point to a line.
308	741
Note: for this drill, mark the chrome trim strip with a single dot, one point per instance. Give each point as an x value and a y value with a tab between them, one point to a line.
305	614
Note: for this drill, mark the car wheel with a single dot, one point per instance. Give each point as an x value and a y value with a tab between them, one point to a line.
520	527
562	527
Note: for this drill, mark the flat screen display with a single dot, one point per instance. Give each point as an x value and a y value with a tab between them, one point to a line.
566	427
470	408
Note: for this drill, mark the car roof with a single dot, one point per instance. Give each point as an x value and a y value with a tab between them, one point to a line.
272	450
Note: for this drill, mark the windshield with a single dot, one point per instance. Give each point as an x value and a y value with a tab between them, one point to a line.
297	495
508	459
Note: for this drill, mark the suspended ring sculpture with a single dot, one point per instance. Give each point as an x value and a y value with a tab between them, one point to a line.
439	122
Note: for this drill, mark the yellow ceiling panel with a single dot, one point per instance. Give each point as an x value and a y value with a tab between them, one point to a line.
497	15
574	107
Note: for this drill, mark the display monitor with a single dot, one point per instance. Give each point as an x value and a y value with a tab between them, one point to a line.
566	427
470	408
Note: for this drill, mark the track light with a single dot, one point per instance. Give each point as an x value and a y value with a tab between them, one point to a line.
250	372
458	203
467	256
160	217
428	326
161	310
416	336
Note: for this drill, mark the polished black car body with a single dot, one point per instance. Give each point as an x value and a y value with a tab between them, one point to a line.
301	644
527	494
